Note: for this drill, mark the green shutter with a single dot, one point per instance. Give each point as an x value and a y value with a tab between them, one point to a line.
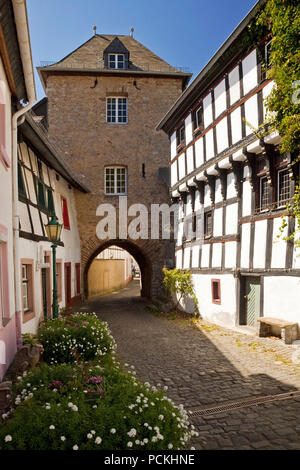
50	201
21	184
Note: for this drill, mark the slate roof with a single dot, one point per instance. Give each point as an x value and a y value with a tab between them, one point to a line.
89	58
116	46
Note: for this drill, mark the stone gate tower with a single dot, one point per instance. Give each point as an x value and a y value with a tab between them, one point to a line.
104	101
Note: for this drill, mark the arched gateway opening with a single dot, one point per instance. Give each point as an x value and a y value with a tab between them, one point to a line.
140	257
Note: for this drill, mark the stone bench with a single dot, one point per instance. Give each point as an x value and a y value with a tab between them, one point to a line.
289	330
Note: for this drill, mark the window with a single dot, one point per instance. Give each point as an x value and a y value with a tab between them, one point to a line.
116	110
116	61
216	291
115	180
27	289
198	119
283	187
181	137
4	278
65	213
208	224
21	184
268	51
264	193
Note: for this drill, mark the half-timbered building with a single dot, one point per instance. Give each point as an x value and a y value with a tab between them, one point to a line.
46	186
236	186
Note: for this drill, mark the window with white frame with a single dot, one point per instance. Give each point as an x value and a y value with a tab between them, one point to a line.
116	110
268	51
115	180
283	187
116	61
25	287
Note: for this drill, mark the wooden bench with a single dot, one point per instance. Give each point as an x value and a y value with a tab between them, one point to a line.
289	330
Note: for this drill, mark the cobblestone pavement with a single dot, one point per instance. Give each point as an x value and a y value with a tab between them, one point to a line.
206	366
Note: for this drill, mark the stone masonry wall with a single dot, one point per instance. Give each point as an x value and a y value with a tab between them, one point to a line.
77	123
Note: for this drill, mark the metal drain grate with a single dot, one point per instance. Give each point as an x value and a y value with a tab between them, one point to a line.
243	403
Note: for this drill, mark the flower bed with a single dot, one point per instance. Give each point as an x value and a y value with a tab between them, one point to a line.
77	337
90	406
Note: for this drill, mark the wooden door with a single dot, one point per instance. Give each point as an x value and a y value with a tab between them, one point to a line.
252	300
68	284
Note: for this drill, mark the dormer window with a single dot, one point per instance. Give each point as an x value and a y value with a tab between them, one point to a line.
116	55
116	61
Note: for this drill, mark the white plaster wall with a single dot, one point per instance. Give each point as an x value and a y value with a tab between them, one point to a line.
205	256
222	135
224	313
199	152
186	257
246	199
218	217
220	98
234	85
216	255
207	201
188	129
174	177
179	259
173	145
265	93
207	110
231	192
230	254
209	141
236	125
249	72
296	253
245	245
260	238
181	166
180	233
24	217
278	245
231	219
189	208
190	159
197	201
251	114
281	297
218	194
195	256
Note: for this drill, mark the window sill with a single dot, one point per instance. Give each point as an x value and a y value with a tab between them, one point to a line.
117	123
198	130
27	316
180	147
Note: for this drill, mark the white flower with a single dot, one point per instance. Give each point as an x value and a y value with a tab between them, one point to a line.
48	407
62	438
137	442
113	431
170	446
161	417
89	435
129	444
8	438
146	440
51	427
98	440
154	439
75	447
132	433
95	406
93	432
146	424
70	404
74	408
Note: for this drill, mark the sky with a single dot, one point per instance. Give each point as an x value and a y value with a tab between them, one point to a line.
185	33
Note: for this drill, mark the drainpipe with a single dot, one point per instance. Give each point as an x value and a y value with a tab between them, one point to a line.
20	14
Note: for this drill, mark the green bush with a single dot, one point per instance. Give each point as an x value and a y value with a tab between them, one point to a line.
91	407
77	337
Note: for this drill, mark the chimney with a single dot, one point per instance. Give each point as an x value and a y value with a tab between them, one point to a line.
131	32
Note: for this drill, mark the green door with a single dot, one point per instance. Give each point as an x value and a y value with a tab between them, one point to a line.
252	300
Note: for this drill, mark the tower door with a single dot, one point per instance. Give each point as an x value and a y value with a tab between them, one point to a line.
252	300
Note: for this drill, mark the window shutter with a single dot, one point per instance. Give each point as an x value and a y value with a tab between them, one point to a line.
65	214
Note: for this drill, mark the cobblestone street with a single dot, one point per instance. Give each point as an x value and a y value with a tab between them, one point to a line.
206	366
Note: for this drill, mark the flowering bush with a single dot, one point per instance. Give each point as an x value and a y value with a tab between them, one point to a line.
91	406
80	336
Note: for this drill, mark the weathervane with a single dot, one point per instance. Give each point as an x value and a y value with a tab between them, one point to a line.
95	29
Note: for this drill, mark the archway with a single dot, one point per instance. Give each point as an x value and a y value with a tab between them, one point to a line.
141	258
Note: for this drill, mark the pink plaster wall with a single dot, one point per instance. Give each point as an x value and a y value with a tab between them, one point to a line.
8	336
